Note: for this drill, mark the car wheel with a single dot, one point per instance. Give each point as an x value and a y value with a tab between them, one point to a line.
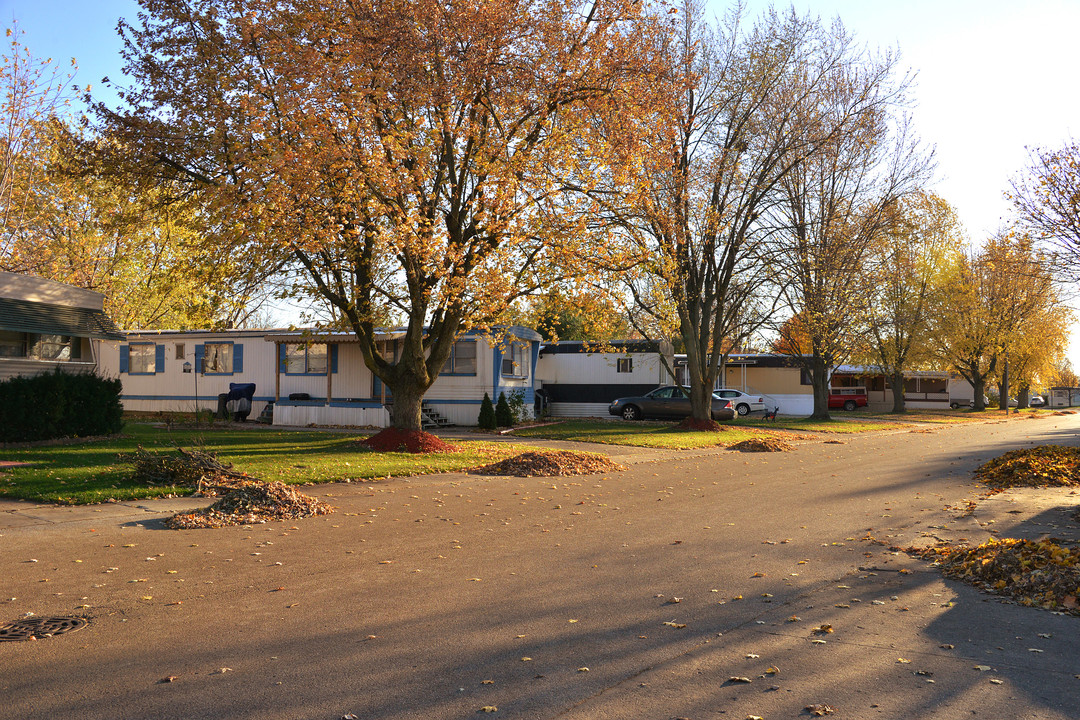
742	409
971	404
849	405
630	412
955	405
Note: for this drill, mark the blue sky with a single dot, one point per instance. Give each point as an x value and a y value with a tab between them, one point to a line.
994	76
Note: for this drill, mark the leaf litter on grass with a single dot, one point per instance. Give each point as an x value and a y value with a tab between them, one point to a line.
545	463
243	500
1041	466
767	444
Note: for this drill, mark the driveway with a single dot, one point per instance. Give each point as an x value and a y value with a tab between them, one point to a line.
638	594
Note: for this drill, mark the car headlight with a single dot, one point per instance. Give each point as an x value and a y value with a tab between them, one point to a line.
614	403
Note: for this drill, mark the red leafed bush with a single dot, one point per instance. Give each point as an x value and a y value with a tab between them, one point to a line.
410	441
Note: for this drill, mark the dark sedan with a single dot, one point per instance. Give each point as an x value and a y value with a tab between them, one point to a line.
669	401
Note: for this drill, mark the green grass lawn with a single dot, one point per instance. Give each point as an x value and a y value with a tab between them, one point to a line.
962	415
840	423
90	472
643	434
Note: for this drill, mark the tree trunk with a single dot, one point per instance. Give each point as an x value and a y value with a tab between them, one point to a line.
1003	389
700	401
819	376
897	382
1022	397
405	408
978	383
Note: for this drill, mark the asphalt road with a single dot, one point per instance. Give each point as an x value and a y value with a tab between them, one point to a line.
637	594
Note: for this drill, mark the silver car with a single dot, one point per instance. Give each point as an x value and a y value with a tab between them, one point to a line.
744	404
669	401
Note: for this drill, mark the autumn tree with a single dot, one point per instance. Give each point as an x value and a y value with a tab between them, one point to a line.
1046	198
1026	299
577	314
1061	374
918	237
402	154
735	117
154	258
31	91
990	297
835	206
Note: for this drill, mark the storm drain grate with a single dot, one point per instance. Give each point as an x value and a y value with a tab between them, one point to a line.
32	628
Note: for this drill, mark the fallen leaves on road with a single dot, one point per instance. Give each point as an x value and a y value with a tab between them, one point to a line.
1036	573
251	502
1041	466
768	444
819	710
546	463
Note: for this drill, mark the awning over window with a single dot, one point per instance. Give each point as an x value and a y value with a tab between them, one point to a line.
38	317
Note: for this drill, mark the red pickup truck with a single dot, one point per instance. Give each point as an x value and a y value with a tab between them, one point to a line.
848	398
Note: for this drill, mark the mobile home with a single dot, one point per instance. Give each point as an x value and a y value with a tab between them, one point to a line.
580	379
314	377
46	325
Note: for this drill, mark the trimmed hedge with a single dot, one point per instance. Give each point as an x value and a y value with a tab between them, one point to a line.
58	404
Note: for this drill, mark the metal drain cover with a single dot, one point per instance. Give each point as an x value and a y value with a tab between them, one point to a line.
32	628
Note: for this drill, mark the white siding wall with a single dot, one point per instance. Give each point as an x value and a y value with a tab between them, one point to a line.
791	404
600	369
172	390
457	397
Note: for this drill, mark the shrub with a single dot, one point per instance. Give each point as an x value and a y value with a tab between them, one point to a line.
487	414
58	404
504	416
517	406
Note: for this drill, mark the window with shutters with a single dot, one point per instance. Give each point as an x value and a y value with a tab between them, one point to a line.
305	358
218	358
142	359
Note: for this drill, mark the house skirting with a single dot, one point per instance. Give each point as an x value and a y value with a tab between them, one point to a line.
349	414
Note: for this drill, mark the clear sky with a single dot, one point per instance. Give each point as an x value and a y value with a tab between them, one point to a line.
994	76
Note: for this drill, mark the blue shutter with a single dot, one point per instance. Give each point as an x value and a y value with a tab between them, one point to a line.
237	358
281	357
125	358
200	358
159	358
333	358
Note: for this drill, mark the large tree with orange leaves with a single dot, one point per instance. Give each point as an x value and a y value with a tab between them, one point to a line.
406	156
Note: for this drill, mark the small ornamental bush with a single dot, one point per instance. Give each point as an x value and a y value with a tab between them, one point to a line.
58	404
487	420
504	416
